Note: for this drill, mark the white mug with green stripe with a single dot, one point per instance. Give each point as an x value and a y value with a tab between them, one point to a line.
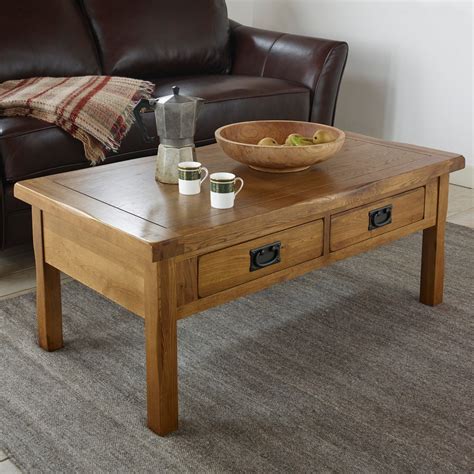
190	177
223	190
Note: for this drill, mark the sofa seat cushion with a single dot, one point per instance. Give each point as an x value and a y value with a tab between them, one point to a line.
230	99
45	38
157	38
31	147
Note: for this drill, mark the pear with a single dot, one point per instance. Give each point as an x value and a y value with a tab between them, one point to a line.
322	136
267	141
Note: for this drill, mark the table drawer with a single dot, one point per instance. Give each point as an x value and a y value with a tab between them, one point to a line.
365	222
241	263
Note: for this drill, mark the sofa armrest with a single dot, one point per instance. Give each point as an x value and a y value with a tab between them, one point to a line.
316	63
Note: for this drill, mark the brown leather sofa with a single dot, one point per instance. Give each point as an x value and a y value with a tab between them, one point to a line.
243	74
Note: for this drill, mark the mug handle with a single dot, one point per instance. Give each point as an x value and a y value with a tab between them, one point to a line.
241	185
206	174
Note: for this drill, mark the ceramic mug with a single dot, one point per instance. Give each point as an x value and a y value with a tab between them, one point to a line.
223	190
190	174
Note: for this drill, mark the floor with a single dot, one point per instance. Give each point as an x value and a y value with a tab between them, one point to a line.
17	273
6	466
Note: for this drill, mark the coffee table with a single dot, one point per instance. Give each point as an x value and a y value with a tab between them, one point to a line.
164	256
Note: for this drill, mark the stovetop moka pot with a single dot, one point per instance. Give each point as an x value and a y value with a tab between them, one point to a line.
176	117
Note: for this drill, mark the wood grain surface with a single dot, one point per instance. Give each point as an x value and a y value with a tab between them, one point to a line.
432	261
166	256
239	141
352	226
48	292
161	346
231	266
154	217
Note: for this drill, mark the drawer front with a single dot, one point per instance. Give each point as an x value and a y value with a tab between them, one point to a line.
241	263
362	223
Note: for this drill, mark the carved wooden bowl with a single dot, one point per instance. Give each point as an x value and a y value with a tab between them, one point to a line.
239	141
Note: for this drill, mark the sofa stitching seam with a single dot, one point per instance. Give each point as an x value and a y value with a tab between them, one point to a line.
316	82
333	118
56	169
21	134
256	96
268	53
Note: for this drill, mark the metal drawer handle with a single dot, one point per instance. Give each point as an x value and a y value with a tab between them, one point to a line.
265	256
380	217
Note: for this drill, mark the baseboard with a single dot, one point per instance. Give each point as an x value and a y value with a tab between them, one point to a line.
463	177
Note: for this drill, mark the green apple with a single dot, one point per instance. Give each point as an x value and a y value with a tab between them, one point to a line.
290	139
298	140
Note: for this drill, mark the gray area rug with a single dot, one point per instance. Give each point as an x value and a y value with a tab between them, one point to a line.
340	370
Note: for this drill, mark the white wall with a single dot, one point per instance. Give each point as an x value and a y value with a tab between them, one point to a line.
241	11
409	77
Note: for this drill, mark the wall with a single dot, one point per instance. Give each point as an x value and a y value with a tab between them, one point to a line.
241	11
409	77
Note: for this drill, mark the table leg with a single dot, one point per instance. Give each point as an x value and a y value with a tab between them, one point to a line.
432	262
161	347
48	292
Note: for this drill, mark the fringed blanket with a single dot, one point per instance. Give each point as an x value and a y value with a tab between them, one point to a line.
97	110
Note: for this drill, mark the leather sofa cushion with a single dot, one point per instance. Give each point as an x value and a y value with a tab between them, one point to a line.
159	38
57	27
30	147
231	99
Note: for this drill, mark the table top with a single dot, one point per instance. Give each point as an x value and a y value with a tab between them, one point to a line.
126	197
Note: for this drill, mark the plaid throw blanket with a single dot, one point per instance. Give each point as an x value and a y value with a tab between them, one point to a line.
97	110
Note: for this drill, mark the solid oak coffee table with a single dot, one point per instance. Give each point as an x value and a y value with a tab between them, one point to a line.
164	256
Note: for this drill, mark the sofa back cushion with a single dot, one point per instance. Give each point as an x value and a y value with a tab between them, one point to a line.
45	38
157	38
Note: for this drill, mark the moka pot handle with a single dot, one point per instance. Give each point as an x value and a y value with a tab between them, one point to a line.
143	104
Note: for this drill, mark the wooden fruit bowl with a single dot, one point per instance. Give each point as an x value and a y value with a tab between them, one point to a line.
239	141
